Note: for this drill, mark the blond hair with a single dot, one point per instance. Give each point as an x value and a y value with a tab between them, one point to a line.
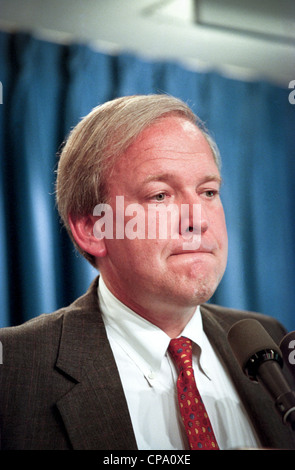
98	140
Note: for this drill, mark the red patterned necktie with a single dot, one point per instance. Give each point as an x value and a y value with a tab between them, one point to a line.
196	421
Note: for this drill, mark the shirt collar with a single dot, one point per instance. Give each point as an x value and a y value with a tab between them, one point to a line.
138	336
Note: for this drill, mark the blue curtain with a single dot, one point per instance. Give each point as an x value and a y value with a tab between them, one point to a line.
48	87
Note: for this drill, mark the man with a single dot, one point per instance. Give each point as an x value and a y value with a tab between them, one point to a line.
100	373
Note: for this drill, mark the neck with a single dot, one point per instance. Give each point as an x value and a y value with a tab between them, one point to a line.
171	319
172	323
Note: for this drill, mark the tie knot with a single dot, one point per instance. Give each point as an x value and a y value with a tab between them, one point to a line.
181	352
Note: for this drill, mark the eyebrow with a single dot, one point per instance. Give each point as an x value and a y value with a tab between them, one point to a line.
169	176
216	178
159	177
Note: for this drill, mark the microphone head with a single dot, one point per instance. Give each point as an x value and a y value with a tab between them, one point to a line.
252	345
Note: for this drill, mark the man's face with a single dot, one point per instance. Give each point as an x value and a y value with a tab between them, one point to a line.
169	163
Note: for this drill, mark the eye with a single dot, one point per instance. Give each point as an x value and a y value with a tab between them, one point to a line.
211	193
160	197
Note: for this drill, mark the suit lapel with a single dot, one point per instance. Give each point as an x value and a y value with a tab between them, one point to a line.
94	411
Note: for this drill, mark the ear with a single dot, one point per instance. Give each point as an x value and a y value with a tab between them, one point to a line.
82	228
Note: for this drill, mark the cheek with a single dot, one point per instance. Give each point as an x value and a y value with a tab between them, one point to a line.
219	223
135	254
223	244
224	235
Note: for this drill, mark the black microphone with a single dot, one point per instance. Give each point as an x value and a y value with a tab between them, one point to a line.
287	346
261	360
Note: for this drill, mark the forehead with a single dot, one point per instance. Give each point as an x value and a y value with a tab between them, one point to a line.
171	140
166	131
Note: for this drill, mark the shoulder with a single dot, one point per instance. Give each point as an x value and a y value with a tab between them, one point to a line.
39	336
42	334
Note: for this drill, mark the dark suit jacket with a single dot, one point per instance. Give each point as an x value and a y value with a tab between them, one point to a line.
60	388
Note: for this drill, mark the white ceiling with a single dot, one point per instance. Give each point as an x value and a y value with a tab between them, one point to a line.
241	38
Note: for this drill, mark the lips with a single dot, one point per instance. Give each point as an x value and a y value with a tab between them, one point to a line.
187	252
202	249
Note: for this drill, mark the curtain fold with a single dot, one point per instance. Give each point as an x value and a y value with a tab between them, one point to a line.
48	87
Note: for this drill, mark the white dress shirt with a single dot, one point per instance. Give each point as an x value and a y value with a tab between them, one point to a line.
149	377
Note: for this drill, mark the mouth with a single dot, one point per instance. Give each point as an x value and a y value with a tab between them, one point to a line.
200	251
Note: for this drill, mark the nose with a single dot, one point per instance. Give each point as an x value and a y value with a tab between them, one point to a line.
193	219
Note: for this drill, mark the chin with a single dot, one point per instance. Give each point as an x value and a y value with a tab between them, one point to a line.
198	294
203	291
